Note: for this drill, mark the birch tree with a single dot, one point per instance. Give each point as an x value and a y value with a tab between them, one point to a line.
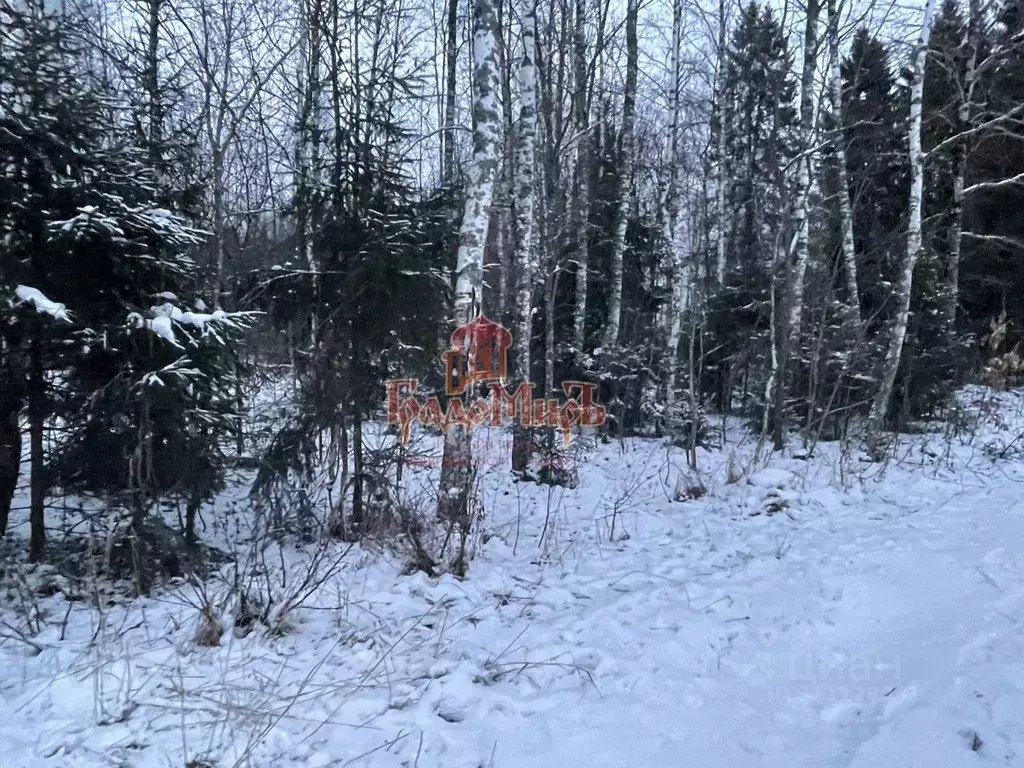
951	283
581	110
525	195
786	282
456	469
721	182
880	403
307	139
678	279
626	187
801	221
835	90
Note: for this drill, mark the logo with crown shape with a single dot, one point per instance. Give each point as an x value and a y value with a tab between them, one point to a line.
479	355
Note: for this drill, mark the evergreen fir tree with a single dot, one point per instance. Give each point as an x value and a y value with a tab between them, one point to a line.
758	117
144	381
876	170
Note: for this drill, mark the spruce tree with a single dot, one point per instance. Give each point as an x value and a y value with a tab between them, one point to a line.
758	118
144	381
876	170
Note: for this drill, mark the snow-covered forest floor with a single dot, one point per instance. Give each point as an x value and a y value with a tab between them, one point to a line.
821	611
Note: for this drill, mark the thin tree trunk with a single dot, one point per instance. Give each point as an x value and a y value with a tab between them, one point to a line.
36	418
152	65
583	167
307	154
882	399
525	224
456	469
835	82
678	278
803	188
505	245
611	331
10	459
451	83
952	282
218	243
789	283
720	176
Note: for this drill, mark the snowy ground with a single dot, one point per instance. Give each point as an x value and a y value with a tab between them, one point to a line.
816	613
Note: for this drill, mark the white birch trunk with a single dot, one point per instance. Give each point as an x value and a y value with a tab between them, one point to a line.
880	404
583	179
679	279
611	331
952	281
720	177
525	191
835	82
307	145
456	469
789	283
803	185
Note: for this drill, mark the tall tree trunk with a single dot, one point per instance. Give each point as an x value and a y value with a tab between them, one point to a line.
36	419
307	149
880	404
456	469
152	78
788	284
505	244
803	183
611	331
525	191
835	87
451	83
951	288
10	457
219	226
719	169
679	280
583	169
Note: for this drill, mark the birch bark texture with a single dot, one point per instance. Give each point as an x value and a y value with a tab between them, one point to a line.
951	287
526	257
679	277
803	180
719	167
611	332
880	404
835	87
456	467
582	119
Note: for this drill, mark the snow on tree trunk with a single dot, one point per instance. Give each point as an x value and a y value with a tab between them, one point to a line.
880	404
582	116
611	331
526	257
835	84
456	469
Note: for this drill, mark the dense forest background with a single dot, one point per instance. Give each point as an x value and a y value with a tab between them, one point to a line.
808	216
